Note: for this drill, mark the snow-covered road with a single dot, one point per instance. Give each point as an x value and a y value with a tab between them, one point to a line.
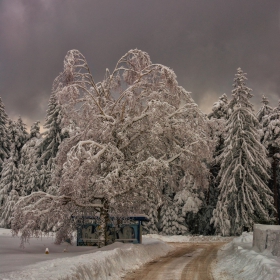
188	261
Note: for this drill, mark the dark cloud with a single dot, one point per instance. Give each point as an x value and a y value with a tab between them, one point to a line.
203	41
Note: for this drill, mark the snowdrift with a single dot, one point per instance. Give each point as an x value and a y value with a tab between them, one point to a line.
110	264
267	238
237	260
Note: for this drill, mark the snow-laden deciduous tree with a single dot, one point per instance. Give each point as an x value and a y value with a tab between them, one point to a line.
133	133
4	139
271	140
244	195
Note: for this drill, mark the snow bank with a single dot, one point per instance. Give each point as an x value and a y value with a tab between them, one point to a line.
110	264
238	260
189	238
267	238
5	232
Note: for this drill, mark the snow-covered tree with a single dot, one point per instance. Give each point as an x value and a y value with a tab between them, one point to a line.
217	123
9	180
4	139
265	109
7	213
35	130
18	137
244	195
134	132
27	166
171	223
54	134
220	108
151	208
271	140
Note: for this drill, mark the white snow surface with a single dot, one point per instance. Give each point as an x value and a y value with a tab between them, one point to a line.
188	238
237	260
78	262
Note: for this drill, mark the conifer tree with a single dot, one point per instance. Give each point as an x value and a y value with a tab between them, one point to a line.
18	137
265	110
219	109
170	222
4	139
151	209
244	195
271	140
9	180
217	122
54	134
28	171
6	216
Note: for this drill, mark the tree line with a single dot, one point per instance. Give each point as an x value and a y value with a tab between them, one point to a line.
137	142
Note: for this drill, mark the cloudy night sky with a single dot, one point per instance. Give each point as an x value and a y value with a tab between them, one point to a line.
203	41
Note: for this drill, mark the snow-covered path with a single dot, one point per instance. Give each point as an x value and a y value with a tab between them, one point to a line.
188	261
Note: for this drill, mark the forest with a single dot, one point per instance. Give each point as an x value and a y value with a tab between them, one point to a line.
136	142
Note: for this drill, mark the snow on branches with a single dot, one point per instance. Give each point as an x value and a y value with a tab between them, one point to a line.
130	135
244	195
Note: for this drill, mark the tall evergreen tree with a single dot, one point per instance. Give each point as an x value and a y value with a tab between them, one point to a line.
265	109
217	123
29	173
220	108
54	134
9	180
18	137
4	139
271	140
244	195
6	214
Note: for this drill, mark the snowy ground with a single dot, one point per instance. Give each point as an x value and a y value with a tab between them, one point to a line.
110	262
237	260
189	238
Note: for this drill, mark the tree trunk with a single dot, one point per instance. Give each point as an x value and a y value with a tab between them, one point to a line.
104	218
275	189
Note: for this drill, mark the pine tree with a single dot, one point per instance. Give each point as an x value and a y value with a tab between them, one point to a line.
4	139
217	123
18	137
220	108
265	110
170	222
6	217
271	140
35	130
151	209
9	180
28	171
244	195
54	134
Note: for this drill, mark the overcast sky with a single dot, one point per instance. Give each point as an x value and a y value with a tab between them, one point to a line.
203	41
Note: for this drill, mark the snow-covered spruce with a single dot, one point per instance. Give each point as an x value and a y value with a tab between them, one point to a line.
271	140
135	131
244	195
4	137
